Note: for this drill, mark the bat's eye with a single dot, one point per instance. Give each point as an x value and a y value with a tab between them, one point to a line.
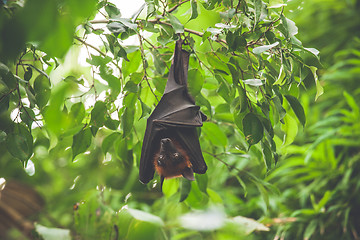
161	161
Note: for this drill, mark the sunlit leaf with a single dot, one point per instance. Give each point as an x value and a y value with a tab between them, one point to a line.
254	82
319	88
176	24
52	233
194	11
264	48
290	129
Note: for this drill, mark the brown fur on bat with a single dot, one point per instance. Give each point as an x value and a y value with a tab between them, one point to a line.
172	161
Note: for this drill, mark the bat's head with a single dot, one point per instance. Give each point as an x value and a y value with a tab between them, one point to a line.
172	160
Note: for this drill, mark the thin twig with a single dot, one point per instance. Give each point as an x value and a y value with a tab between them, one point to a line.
143	63
176	6
92	46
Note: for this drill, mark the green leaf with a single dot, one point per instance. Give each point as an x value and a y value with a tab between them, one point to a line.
319	88
98	60
77	113
253	129
214	134
210	219
27	115
267	155
42	90
19	143
310	229
217	64
280	110
112	11
243	101
52	233
146	217
264	48
194	12
202	181
297	108
250	225
170	187
195	81
185	187
109	141
127	120
130	86
145	109
352	104
98	114
81	142
4	103
28	74
116	28
254	82
290	129
258	9
176	24
112	124
290	28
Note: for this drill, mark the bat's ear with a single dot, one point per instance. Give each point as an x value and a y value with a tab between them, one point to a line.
188	174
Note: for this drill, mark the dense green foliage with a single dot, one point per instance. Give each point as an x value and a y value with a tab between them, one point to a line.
74	131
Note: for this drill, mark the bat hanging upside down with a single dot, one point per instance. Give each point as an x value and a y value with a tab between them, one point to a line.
171	143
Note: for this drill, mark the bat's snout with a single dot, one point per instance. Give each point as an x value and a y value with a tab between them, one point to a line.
165	141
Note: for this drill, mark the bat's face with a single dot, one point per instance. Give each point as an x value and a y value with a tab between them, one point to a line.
172	160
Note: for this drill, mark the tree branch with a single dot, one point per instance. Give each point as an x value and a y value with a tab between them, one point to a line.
176	6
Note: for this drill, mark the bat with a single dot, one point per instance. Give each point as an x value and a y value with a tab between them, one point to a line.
171	144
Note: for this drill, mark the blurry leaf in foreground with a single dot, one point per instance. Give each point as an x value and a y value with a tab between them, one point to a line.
81	141
145	216
248	224
210	219
52	233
